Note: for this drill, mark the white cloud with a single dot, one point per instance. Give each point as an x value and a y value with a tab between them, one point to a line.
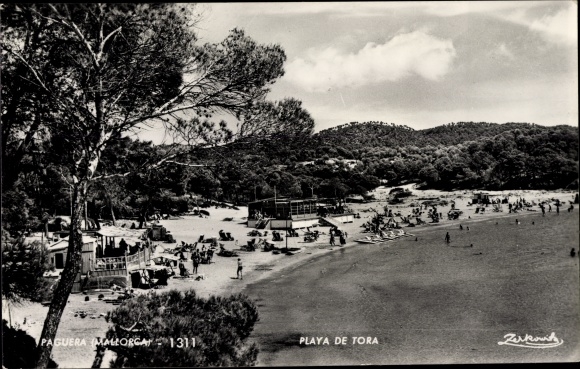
405	54
548	101
561	27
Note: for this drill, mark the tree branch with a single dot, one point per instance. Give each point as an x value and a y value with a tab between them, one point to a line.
32	70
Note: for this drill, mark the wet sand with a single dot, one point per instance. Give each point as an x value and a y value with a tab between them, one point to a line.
428	302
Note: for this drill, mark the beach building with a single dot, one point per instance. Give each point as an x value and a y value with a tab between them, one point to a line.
108	253
286	213
58	251
480	198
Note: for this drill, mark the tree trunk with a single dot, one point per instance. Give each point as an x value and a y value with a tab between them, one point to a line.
110	203
100	353
64	287
113	214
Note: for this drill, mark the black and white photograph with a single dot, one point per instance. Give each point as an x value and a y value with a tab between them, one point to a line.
289	184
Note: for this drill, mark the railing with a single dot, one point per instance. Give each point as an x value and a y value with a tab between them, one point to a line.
136	260
110	263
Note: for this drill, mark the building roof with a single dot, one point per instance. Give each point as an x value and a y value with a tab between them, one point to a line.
285	199
63	243
112	231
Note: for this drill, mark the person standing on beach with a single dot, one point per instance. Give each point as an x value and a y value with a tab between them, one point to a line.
447	237
331	239
195	264
239	272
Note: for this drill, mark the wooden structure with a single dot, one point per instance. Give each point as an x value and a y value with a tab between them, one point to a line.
121	262
59	249
480	198
286	213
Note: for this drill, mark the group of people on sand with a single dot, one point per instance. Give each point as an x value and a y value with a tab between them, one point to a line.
198	256
341	236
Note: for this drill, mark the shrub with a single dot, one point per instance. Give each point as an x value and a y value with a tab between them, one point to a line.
23	267
19	348
219	325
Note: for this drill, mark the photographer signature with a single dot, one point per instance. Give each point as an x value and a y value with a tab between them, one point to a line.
512	339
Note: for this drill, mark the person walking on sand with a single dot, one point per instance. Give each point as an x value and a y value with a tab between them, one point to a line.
239	273
447	237
331	239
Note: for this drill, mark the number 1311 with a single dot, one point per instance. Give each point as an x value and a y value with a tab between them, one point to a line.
182	342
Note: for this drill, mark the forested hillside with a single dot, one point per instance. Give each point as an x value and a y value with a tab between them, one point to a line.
458	155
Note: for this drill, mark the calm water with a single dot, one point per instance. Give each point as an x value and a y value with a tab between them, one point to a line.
428	302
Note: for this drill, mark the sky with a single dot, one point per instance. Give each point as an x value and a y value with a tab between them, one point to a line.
419	64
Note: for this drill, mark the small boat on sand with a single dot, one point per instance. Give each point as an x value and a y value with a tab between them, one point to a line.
369	239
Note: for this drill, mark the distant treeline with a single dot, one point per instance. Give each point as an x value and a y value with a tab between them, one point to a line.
461	155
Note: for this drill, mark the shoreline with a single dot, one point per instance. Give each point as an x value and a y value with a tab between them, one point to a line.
295	264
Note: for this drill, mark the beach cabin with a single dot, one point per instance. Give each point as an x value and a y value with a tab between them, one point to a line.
283	213
286	213
58	252
480	198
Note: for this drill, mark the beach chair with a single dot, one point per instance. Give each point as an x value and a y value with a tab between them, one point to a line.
183	272
276	236
145	280
223	236
269	246
251	245
254	233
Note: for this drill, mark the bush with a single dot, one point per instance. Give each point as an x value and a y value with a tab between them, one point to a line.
19	348
23	267
219	325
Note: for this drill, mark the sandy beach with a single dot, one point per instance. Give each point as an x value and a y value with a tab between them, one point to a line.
414	263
